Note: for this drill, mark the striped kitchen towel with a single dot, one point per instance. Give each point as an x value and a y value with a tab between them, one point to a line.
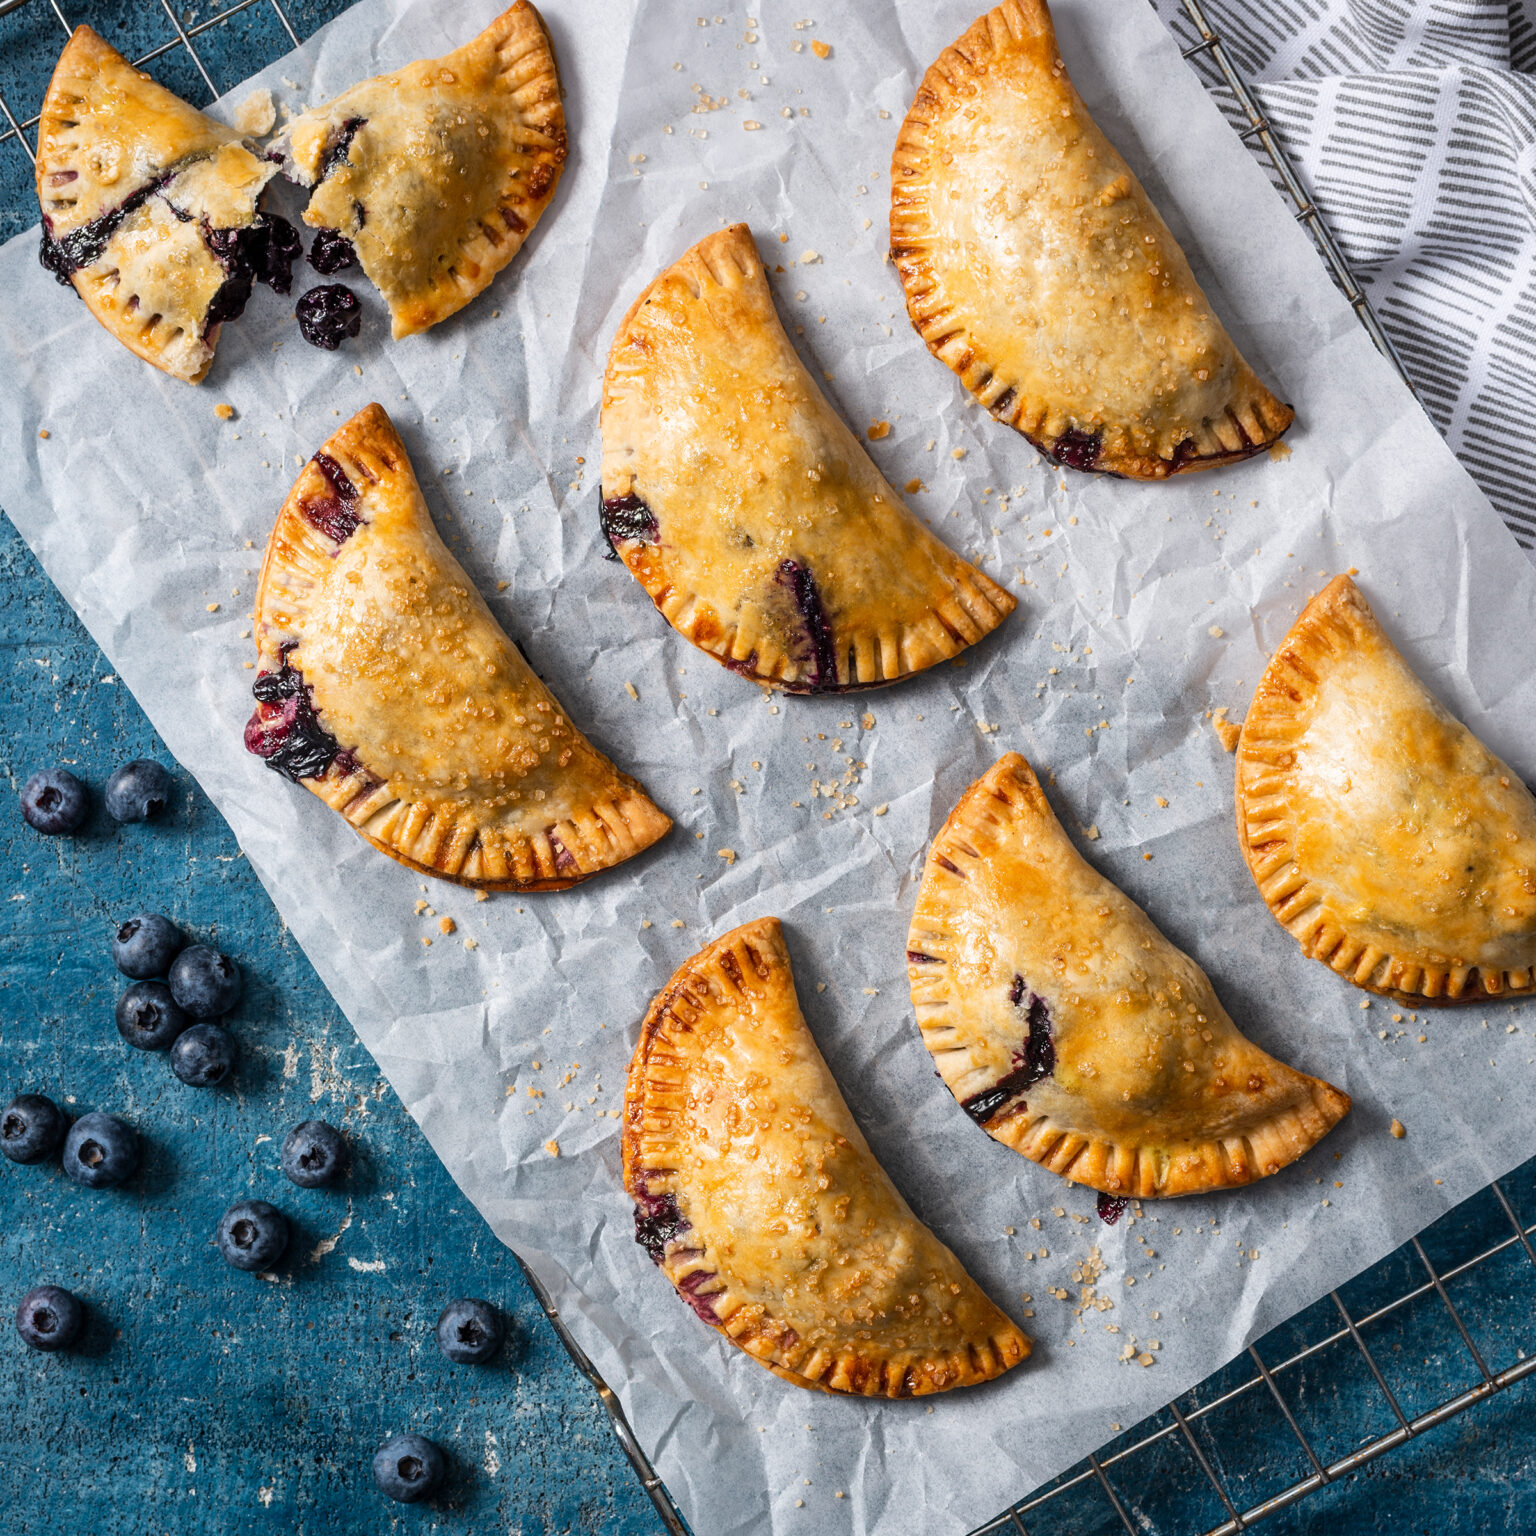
1413	124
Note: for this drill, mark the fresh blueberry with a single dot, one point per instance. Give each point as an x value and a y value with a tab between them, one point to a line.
204	982
138	790
469	1331
313	1154
49	1318
54	800
203	1056
100	1151
30	1128
407	1467
145	945
252	1234
148	1018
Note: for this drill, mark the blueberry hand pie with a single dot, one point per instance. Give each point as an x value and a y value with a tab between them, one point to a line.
742	503
387	688
150	209
1036	267
1072	1031
1389	841
760	1200
437	173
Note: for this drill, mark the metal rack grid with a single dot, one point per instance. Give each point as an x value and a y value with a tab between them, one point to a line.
1209	54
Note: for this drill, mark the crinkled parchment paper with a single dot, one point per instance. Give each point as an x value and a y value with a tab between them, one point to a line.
1141	609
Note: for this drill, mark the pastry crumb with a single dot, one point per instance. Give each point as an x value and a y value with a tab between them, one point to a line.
552	1147
631	690
224	412
421	907
482	895
213	607
1147	857
1365	1003
44	433
867	720
446	925
728	854
1279	452
256	115
1092	834
501	586
957	453
677	922
1216	632
881	809
1398	1129
1228	730
877	430
751	125
809	258
914	486
1162	802
471	944
822	51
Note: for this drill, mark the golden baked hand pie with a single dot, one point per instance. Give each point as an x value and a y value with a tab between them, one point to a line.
742	503
149	209
388	689
759	1198
435	175
1072	1031
1036	267
1389	841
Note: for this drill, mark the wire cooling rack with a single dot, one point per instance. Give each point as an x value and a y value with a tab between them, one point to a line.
1187	1433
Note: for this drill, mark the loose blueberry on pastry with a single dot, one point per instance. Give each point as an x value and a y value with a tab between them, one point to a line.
1037	268
759	1198
742	503
1385	837
1072	1031
388	689
436	173
150	209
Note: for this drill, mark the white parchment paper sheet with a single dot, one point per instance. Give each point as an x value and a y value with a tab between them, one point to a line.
1141	609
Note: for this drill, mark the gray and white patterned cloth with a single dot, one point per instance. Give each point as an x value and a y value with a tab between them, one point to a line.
1413	125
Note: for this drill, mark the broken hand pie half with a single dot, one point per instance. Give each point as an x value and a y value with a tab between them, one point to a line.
149	209
1036	267
1072	1031
388	689
760	1200
437	173
1389	841
741	502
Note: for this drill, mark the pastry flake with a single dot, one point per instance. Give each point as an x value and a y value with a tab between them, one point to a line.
760	1200
1071	1030
437	173
1385	837
387	688
150	209
1036	267
742	503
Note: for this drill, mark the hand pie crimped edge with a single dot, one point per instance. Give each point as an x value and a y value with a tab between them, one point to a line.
1333	623
966	606
655	1096
519	37
1256	418
444	843
1009	794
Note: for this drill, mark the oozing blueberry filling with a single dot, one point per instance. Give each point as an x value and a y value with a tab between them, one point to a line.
81	247
1077	449
332	252
1111	1208
262	250
1034	1060
335	514
917	957
808	603
337	150
328	315
657	1223
626	517
564	859
284	729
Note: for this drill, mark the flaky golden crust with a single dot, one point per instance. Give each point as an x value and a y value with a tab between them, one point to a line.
448	165
1072	1031
1036	267
762	1203
454	758
741	502
110	137
1385	837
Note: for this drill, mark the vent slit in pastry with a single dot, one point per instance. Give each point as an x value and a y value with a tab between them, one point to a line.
759	1199
741	502
150	209
388	689
1036	268
1384	836
1072	1031
432	177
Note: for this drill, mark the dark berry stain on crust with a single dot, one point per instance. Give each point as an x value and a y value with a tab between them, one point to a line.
1032	1062
626	518
1078	449
340	147
334	514
1111	1208
284	729
807	595
917	957
657	1223
84	246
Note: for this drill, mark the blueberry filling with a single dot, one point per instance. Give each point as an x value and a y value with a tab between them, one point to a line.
337	151
1111	1208
335	514
917	957
626	517
1077	449
1036	1059
284	728
262	250
564	859
84	246
657	1223
328	315
332	252
808	604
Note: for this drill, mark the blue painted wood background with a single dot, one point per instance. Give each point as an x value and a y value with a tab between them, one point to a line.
205	1399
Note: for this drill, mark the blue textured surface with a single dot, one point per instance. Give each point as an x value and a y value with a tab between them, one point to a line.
224	1401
